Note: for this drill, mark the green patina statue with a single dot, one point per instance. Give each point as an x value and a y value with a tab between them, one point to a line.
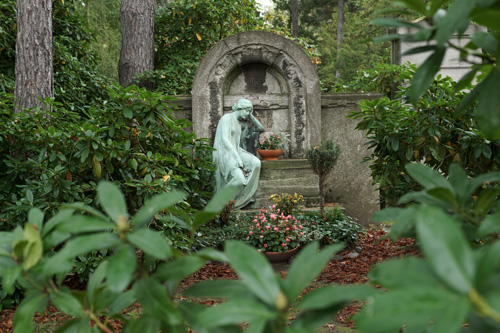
235	165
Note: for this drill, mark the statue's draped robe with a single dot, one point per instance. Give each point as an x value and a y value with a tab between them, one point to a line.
227	163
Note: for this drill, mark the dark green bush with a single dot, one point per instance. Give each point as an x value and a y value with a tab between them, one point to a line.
335	228
132	140
429	132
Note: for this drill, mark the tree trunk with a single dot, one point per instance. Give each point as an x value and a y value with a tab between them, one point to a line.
34	70
137	52
340	36
295	19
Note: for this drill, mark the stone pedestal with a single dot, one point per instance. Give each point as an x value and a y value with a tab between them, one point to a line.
287	176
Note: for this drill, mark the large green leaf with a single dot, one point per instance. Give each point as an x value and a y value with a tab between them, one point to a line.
60	217
459	181
486	200
120	269
306	267
35	218
121	301
490	225
155	205
254	269
488	264
415	307
66	302
31	247
425	74
179	269
403	273
427	177
82	223
446	248
329	296
112	201
456	15
416	5
9	277
488	108
23	317
392	22
218	288
96	280
154	300
152	243
234	312
86	243
214	206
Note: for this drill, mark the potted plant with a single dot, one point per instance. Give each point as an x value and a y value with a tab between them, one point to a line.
271	147
275	234
323	158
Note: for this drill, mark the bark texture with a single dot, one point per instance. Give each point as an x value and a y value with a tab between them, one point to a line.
295	19
34	69
137	52
340	37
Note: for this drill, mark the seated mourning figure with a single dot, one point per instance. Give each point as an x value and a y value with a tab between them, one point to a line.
235	165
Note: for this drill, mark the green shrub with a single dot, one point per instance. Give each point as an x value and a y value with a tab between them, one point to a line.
133	139
323	158
259	298
429	132
335	228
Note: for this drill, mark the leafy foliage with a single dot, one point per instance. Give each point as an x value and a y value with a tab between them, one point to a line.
287	203
336	227
454	278
430	132
122	279
133	140
358	52
76	82
382	78
186	30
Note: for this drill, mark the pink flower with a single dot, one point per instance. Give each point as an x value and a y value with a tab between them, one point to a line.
288	239
273	206
259	250
268	227
262	231
276	229
255	220
257	225
283	244
265	245
302	233
250	233
261	236
273	216
300	226
287	228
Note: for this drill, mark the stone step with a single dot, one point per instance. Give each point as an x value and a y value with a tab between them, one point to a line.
286	176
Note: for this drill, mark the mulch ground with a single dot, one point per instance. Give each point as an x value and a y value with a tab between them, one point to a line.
375	245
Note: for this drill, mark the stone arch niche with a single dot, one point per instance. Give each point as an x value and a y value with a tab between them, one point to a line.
271	71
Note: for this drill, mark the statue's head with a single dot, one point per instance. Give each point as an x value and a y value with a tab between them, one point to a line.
242	104
244	107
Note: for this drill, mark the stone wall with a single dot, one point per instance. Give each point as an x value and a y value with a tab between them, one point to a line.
350	183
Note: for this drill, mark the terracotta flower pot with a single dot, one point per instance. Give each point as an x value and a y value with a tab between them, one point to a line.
270	155
275	257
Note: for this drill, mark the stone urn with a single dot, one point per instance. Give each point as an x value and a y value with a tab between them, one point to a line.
276	257
270	155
